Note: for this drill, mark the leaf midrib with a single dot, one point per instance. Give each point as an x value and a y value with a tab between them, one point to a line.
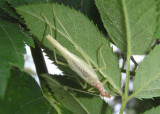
128	34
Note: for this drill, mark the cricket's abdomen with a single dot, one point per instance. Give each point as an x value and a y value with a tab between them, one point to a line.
88	74
83	70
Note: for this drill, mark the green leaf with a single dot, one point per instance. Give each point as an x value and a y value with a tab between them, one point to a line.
48	95
130	23
154	110
147	79
157	34
8	9
24	96
12	49
75	99
83	32
86	6
9	5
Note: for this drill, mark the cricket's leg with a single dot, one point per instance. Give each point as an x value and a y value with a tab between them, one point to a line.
100	52
76	47
92	88
58	62
105	81
82	91
104	67
84	86
47	22
44	34
69	37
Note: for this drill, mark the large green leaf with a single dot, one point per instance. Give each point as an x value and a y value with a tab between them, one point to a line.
85	6
24	96
83	32
73	98
9	5
157	34
154	110
12	48
130	23
147	79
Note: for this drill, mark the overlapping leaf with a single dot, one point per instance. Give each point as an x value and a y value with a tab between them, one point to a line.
73	98
9	5
85	6
154	110
24	96
130	23
157	34
147	79
5	6
12	48
84	34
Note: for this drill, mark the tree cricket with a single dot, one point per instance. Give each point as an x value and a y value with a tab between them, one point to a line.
82	68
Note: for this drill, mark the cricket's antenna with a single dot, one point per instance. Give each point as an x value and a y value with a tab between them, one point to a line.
55	30
69	37
45	29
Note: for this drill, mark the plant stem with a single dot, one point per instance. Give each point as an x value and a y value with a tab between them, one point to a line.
128	46
128	55
127	76
125	98
131	72
123	106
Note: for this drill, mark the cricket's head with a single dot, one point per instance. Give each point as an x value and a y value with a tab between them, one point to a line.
102	91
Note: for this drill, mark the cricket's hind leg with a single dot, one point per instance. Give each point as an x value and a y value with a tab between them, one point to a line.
100	52
48	23
84	86
76	47
69	38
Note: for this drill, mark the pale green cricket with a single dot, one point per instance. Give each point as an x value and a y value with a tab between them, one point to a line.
78	65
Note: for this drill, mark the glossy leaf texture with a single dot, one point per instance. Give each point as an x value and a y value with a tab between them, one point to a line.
131	24
147	79
69	95
83	32
24	96
154	110
12	49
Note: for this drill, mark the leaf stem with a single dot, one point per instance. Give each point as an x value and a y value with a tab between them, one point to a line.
128	36
127	76
128	47
123	106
